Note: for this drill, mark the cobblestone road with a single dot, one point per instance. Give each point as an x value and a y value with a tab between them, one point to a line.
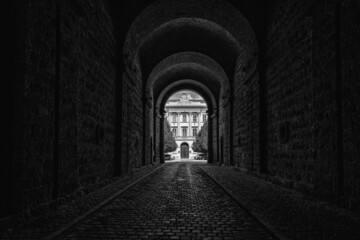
179	201
287	212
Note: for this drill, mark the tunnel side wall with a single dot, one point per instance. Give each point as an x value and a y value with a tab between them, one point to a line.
132	122
36	157
82	35
301	137
301	96
246	113
304	136
303	129
302	117
224	130
350	36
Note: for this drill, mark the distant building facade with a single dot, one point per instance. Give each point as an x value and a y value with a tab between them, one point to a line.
186	116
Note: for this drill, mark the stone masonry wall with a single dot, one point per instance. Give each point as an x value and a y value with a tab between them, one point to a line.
86	99
351	98
224	117
214	140
301	96
132	123
157	139
246	114
87	95
38	135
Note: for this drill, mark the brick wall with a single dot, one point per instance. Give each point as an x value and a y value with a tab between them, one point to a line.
301	96
246	113
224	114
351	97
87	96
214	140
86	99
157	139
147	136
39	80
132	124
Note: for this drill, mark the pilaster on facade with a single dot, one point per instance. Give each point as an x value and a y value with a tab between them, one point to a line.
178	125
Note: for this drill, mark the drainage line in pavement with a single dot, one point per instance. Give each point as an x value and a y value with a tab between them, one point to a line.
66	229
255	216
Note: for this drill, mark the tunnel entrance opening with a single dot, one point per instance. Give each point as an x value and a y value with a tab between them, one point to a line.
192	47
185	125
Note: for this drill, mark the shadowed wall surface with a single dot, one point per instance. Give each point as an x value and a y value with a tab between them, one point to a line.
87	82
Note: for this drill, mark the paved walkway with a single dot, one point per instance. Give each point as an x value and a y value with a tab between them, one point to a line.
181	200
55	221
289	213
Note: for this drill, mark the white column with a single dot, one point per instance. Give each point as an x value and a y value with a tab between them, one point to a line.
190	133
199	115
178	125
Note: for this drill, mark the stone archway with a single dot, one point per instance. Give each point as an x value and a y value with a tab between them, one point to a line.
192	41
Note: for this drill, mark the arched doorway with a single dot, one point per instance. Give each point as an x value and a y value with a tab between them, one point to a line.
184	150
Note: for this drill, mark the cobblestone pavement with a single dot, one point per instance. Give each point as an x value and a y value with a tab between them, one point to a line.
179	201
289	213
39	228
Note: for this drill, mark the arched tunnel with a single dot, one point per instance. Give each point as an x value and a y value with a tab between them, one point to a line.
85	86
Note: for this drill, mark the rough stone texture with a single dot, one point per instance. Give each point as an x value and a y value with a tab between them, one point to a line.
290	214
159	78
88	60
214	140
148	147
86	100
176	203
216	11
54	220
39	74
157	139
301	96
180	197
132	123
299	52
246	113
223	131
351	98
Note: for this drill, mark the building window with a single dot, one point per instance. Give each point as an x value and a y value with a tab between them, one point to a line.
194	132
184	117
184	132
174	132
174	118
204	118
194	118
